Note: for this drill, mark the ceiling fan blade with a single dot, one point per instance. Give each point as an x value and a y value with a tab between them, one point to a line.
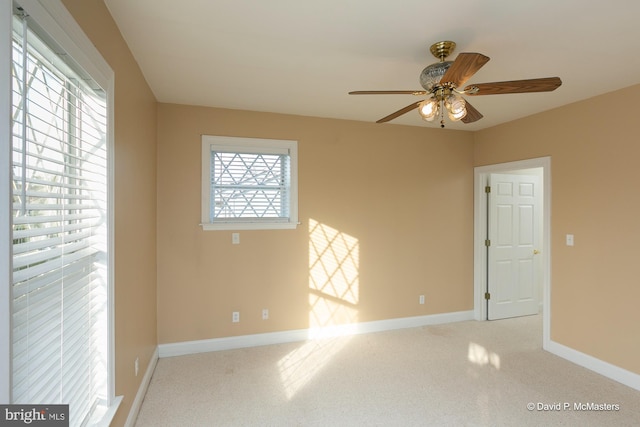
473	115
546	84
465	66
400	112
388	92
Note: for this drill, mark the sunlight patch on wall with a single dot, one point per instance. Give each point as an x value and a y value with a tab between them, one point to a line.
481	356
334	293
333	276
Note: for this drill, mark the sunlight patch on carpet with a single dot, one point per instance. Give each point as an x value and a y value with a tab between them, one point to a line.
481	356
334	294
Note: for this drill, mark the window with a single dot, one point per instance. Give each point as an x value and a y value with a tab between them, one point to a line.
248	183
60	284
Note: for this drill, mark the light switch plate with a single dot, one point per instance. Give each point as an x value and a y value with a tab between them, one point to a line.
569	239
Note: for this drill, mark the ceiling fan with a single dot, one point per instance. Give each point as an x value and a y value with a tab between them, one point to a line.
441	82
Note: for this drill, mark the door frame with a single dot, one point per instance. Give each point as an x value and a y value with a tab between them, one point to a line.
480	177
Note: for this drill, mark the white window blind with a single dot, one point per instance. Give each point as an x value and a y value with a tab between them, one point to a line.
60	230
249	183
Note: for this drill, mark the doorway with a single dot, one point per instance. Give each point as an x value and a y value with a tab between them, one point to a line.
482	176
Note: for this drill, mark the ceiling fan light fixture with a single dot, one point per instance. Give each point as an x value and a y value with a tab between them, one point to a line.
457	115
454	102
429	109
456	106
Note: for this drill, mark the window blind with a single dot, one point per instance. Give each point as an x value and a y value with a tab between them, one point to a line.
59	223
249	185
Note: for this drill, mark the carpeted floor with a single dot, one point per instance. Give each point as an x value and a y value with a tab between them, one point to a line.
460	374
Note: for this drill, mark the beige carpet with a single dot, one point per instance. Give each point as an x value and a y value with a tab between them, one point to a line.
461	374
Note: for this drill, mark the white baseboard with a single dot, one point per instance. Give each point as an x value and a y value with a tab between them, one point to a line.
142	390
243	341
606	369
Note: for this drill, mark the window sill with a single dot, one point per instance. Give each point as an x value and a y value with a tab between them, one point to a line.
250	226
104	415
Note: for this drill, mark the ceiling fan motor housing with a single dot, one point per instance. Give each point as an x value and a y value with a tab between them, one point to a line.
432	74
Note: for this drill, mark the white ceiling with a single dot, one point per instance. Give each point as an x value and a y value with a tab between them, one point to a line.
303	57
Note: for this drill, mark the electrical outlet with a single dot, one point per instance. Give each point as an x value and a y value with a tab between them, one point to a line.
235	317
421	299
235	238
136	365
265	313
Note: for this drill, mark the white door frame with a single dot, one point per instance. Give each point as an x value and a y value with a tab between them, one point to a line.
480	231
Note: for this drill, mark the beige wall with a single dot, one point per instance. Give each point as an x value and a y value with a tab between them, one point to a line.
408	235
400	198
135	201
594	148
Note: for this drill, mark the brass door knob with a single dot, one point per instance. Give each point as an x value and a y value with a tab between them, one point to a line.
536	252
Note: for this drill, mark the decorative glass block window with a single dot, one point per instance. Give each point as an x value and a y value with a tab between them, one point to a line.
248	183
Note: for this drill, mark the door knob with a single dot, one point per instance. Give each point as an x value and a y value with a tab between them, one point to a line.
536	252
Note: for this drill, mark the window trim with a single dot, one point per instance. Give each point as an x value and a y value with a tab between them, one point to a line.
53	17
6	242
244	145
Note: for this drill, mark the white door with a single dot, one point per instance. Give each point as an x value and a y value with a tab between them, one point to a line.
513	241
